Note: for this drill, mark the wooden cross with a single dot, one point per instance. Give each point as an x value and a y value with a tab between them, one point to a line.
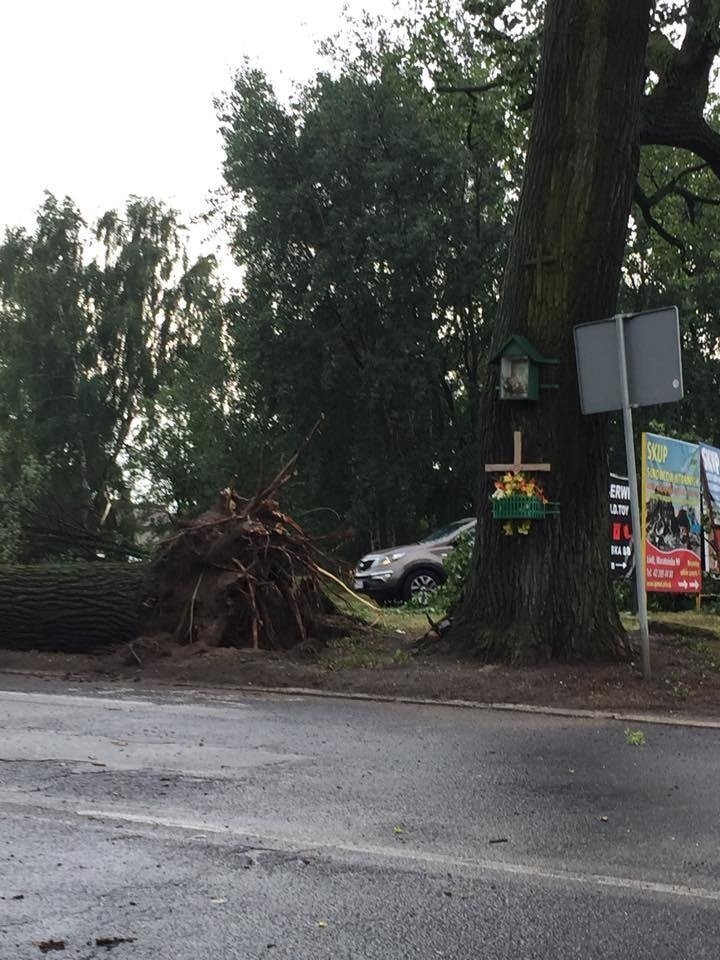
517	466
538	262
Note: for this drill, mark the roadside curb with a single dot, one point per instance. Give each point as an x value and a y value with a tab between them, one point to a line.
621	716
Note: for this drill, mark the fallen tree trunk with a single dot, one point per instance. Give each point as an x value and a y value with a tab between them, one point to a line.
241	574
72	607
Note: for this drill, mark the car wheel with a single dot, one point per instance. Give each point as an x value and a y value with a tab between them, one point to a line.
420	584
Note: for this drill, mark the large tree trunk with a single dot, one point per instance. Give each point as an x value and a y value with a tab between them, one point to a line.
550	591
72	607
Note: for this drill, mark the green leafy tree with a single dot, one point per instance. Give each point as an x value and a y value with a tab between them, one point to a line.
672	258
201	431
370	220
592	111
20	495
93	324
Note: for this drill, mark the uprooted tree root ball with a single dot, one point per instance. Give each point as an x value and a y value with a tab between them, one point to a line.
243	574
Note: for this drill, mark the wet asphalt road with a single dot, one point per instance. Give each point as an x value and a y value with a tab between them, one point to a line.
221	826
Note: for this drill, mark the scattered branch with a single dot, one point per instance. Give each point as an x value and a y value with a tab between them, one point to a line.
646	207
287	471
471	89
675	188
51	531
133	651
671	186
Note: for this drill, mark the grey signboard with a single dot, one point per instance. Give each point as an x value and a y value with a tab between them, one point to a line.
653	358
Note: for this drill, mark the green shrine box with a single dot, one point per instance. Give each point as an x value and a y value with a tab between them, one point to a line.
519	363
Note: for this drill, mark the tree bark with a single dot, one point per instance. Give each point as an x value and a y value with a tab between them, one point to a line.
73	607
550	592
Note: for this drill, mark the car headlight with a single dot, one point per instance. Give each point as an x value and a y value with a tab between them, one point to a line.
390	558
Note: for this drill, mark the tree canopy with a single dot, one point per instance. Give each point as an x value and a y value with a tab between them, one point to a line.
372	223
94	322
371	215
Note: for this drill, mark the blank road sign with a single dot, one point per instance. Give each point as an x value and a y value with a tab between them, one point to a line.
653	356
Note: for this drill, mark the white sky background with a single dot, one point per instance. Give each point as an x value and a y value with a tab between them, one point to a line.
106	98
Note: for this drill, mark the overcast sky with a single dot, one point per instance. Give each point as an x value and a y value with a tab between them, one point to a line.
106	98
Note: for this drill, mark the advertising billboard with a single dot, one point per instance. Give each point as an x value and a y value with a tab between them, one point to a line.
670	495
622	555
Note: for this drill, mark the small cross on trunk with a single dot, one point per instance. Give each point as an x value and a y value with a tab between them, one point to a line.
517	466
537	262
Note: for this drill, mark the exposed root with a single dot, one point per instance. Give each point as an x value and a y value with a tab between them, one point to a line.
243	574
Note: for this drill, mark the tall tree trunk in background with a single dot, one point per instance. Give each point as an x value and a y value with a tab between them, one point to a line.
551	590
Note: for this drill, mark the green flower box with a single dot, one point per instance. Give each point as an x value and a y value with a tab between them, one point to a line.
520	507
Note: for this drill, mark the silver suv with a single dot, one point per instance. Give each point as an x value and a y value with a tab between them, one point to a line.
415	570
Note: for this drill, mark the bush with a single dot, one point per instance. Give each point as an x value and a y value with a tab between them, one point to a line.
623	590
457	567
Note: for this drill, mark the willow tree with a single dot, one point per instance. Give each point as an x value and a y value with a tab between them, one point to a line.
610	80
94	326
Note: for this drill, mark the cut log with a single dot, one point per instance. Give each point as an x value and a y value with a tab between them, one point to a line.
73	607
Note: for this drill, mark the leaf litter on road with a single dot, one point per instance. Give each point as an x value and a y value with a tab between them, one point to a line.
111	942
634	738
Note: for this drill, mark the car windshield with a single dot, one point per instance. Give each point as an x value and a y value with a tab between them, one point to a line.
443	532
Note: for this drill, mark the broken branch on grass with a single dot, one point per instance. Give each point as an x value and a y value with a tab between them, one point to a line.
132	650
346	588
192	606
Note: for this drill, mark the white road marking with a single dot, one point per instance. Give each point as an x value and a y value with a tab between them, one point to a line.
71	699
417	856
169	699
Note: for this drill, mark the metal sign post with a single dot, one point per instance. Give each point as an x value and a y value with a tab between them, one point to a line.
634	499
631	360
